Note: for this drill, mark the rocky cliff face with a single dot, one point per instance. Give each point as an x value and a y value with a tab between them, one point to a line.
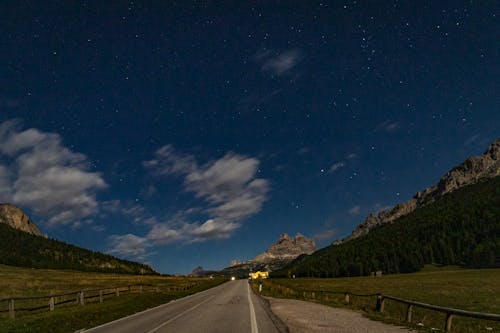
469	172
14	217
287	248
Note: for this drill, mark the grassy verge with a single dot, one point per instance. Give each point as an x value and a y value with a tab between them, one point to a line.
72	317
473	290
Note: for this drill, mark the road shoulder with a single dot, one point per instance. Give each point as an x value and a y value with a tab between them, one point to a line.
306	317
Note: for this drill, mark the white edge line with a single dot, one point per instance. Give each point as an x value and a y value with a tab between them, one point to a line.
253	320
180	315
148	310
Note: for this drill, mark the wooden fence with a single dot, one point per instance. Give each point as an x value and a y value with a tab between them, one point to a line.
81	296
380	303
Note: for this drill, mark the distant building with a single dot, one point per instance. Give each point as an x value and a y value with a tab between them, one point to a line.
258	275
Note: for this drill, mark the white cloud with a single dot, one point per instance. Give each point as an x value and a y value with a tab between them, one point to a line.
5	186
356	210
132	210
336	166
47	177
388	126
326	235
228	185
351	156
129	245
163	234
279	64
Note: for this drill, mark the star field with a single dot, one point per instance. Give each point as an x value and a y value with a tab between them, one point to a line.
193	133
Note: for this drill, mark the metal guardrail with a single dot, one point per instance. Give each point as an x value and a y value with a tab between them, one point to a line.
80	296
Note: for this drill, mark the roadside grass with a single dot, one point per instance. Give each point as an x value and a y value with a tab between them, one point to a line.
70	317
473	290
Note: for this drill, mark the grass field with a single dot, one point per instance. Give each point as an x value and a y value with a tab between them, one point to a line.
473	290
15	282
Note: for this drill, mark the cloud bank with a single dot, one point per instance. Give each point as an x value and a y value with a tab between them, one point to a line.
229	186
38	172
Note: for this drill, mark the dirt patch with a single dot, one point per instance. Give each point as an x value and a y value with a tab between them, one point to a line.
308	317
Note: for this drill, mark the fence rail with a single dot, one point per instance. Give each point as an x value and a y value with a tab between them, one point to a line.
381	299
79	297
450	312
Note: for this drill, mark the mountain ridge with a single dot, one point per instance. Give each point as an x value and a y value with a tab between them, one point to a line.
466	173
23	245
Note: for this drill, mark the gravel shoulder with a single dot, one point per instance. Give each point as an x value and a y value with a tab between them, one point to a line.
301	316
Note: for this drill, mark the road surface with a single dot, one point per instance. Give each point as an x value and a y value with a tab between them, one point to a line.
230	307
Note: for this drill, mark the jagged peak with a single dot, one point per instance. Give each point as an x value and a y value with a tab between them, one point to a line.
468	172
14	217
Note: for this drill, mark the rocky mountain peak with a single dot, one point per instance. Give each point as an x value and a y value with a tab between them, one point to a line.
287	248
468	172
16	218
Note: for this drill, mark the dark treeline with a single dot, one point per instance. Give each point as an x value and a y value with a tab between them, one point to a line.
462	228
18	248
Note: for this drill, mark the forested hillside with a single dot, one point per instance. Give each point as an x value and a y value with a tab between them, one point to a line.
18	248
462	228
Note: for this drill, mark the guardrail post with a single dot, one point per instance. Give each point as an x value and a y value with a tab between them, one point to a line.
51	304
447	326
380	303
101	298
409	311
82	298
346	298
12	309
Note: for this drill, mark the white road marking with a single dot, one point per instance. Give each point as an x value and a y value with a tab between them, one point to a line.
179	315
253	320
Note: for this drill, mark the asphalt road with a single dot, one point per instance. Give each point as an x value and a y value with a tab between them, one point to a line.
230	307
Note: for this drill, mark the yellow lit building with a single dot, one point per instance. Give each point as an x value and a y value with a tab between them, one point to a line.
259	275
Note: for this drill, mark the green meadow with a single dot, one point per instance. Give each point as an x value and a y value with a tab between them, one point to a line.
70	317
468	289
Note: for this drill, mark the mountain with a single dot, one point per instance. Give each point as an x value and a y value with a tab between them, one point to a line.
287	248
22	245
469	172
461	228
15	218
200	272
278	255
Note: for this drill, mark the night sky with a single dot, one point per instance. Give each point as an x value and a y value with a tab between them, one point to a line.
193	133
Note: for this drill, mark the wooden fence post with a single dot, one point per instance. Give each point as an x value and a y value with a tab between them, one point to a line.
380	303
51	304
140	289
129	288
409	311
346	298
101	298
447	326
313	295
12	310
82	298
117	292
